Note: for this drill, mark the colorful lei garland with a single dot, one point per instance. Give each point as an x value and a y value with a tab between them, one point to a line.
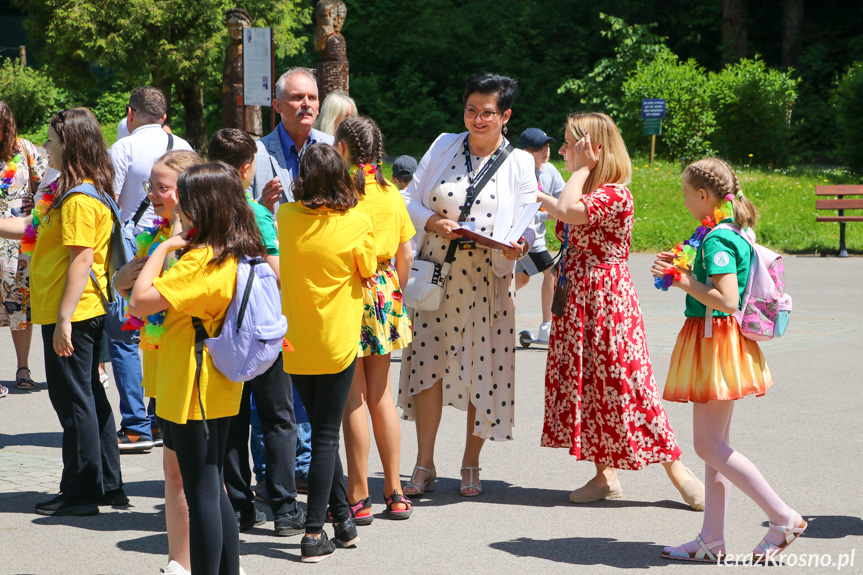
28	242
151	326
684	255
8	175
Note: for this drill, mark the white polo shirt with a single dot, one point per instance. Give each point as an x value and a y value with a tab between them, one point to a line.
133	158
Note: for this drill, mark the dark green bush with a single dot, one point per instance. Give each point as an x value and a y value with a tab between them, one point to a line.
685	87
848	103
31	95
753	104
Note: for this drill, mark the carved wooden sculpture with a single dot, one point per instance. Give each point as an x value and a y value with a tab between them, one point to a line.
332	69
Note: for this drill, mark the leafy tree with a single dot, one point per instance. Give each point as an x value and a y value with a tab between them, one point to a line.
848	103
175	44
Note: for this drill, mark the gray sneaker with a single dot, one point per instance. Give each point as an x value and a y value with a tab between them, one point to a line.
287	524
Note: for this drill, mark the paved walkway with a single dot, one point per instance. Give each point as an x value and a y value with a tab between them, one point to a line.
804	436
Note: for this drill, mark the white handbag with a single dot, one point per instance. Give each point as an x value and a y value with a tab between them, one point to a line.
425	288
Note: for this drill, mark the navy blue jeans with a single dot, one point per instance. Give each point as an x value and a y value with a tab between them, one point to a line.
134	414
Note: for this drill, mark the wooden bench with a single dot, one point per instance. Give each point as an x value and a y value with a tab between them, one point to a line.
841	204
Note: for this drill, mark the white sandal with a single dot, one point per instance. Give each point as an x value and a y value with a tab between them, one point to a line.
415	488
770	550
702	555
471	484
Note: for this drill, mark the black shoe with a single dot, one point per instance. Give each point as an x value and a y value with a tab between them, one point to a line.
345	533
316	550
249	518
65	506
114	498
288	524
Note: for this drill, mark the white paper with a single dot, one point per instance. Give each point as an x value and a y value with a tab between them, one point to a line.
257	67
524	221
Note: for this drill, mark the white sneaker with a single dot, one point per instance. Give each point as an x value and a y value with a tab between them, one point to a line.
544	332
174	568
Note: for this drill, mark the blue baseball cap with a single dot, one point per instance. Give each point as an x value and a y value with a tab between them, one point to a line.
533	138
404	167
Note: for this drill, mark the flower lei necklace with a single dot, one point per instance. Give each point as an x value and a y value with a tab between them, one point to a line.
368	169
151	326
8	175
28	242
684	255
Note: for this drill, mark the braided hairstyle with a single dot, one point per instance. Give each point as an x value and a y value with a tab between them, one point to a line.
718	178
365	145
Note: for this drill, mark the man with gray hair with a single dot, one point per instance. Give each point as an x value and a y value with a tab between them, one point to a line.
133	158
278	157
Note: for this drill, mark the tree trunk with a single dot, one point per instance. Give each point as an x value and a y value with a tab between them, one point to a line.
192	98
792	18
734	30
162	82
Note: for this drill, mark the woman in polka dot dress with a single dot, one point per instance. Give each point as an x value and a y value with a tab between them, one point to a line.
463	353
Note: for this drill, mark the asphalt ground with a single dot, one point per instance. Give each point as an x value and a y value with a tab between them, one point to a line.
804	436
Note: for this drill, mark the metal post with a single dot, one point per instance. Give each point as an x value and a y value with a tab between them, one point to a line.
272	79
843	252
652	147
22	51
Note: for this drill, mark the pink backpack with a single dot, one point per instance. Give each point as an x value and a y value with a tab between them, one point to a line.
765	308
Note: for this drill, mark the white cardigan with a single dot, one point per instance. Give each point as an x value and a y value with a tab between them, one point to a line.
517	170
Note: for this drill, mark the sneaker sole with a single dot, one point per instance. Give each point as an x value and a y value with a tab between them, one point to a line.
290	532
74	512
134	447
316	558
352	543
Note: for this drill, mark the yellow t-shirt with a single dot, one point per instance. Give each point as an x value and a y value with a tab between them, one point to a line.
321	252
392	224
194	287
149	357
80	221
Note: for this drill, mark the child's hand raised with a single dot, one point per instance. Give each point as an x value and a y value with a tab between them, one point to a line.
586	156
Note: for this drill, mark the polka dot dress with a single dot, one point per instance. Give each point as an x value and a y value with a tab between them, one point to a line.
469	341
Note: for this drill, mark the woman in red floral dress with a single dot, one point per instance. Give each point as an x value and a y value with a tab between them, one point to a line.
601	400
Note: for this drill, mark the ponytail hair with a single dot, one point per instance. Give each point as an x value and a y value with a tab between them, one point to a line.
718	178
365	144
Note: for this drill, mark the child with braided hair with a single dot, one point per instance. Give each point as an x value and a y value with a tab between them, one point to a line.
714	366
385	328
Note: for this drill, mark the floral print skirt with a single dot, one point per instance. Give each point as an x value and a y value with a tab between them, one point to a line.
386	324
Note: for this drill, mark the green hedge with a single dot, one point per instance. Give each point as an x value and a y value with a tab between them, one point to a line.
31	95
848	105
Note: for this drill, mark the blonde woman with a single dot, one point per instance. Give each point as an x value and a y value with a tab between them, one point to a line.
601	400
337	106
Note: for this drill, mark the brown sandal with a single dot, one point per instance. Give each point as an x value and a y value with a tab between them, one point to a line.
24	383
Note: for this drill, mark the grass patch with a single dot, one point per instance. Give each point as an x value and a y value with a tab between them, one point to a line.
785	200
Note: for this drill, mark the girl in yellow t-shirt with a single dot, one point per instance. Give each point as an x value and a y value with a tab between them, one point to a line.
326	249
162	191
385	326
68	235
219	227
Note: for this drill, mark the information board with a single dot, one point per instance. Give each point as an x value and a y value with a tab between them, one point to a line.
257	67
653	108
652	127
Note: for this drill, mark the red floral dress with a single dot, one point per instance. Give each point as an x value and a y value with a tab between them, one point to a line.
601	399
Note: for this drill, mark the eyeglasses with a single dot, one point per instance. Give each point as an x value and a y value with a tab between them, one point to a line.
487	115
158	190
128	107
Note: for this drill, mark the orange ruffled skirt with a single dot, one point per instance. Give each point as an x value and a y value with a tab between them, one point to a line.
725	366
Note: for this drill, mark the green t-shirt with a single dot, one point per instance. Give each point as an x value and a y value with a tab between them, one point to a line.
723	252
264	219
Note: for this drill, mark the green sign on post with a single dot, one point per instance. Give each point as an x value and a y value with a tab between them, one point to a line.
652	127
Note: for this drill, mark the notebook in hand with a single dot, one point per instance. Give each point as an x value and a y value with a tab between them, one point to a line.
525	219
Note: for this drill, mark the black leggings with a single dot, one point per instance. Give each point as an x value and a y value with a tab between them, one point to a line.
214	540
324	397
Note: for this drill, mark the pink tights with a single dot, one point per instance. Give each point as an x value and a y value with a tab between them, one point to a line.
724	467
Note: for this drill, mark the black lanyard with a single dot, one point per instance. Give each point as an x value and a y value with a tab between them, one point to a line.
470	178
